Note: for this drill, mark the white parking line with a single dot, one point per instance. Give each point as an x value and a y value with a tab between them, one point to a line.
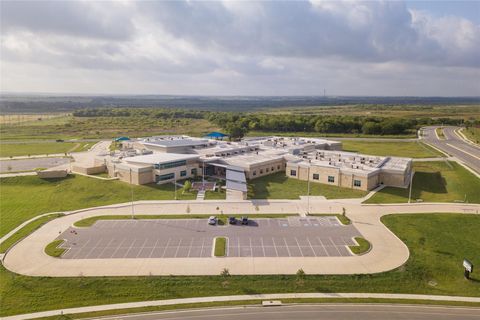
80	249
93	248
203	243
141	248
263	246
335	246
251	250
288	250
274	246
126	253
154	246
178	247
118	248
166	246
190	248
100	255
238	247
323	246
298	245
310	244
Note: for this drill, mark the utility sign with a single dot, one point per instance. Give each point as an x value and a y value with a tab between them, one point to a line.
468	265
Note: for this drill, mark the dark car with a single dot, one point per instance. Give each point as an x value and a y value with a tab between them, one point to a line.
232	220
59	140
244	220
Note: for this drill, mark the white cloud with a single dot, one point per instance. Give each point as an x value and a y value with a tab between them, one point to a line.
193	47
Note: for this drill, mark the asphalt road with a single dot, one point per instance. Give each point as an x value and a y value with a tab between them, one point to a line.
316	312
455	146
31	164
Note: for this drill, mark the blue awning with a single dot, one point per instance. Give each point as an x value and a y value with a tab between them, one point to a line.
216	135
122	139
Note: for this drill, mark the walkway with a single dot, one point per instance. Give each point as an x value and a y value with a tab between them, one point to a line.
278	296
388	252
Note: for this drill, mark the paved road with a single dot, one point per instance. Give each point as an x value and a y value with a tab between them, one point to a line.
454	145
31	164
317	312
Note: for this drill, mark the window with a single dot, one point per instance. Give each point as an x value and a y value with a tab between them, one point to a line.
331	179
293	173
357	183
316	176
164	177
173	164
266	170
273	168
183	173
254	172
261	171
194	171
278	167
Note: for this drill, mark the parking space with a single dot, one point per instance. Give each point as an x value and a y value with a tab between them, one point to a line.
189	238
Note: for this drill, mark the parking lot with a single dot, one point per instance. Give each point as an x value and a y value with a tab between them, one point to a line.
182	238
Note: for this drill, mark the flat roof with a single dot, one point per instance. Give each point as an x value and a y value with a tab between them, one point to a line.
161	158
175	142
233	185
236	176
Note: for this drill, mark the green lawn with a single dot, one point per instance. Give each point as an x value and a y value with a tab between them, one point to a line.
53	250
363	246
473	134
22	198
397	149
440	134
279	186
26	230
435	182
438	243
216	195
220	246
25	149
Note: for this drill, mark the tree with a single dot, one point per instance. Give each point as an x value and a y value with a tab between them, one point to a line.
187	186
236	131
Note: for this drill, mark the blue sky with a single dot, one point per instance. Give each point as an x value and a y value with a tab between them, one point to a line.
417	48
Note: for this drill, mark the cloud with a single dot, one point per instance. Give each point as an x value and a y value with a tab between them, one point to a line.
198	47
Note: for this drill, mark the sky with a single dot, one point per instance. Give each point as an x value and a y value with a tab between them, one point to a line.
362	48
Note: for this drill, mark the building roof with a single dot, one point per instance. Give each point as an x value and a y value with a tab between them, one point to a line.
233	185
168	143
122	139
216	135
236	176
157	158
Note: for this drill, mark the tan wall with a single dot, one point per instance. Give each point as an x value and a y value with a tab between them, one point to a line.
89	170
177	170
394	180
137	177
266	169
50	174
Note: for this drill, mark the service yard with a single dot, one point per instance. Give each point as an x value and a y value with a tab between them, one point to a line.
194	238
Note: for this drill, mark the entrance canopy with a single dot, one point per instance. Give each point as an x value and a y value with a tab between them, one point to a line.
216	135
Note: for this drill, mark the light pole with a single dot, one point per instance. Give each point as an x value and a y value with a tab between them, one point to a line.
308	187
131	192
175	184
411	183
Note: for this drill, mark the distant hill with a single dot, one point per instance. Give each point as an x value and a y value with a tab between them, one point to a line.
17	103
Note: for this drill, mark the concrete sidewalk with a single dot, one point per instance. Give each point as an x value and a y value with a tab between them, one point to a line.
260	297
388	252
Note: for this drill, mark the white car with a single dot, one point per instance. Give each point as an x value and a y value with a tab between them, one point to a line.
212	220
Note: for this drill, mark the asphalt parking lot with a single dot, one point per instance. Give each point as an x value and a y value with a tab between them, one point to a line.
188	238
31	164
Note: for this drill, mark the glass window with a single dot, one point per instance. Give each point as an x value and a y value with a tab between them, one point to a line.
331	179
293	173
261	171
164	177
357	183
254	172
316	176
173	164
266	169
273	168
278	167
194	171
183	173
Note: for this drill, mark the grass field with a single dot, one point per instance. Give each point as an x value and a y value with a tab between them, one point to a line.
278	186
216	195
363	246
70	127
396	149
435	182
25	149
26	230
22	198
220	246
53	250
473	134
434	267
439	132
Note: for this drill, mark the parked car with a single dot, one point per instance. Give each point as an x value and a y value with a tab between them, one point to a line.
232	220
212	220
244	220
59	140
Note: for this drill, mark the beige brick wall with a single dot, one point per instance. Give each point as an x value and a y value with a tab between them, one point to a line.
265	169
